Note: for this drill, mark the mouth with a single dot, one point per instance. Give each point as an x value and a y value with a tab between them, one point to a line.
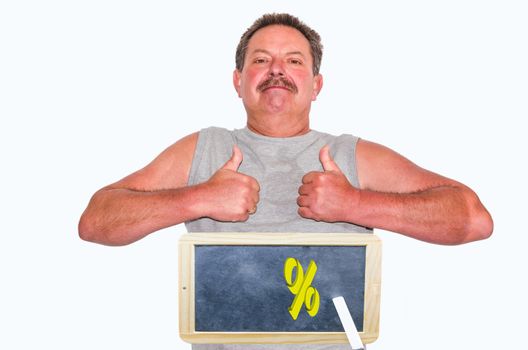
276	87
277	83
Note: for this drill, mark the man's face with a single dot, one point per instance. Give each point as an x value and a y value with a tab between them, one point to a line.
277	77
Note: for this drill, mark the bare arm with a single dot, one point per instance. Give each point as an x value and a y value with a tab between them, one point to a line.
157	196
395	195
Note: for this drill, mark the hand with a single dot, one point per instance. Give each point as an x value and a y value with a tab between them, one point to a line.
231	196
327	195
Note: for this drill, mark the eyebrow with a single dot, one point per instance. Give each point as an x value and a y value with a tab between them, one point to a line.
269	53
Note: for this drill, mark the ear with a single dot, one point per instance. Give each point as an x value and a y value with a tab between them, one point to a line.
317	86
236	81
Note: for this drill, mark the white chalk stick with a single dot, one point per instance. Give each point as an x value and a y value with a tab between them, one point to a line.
348	323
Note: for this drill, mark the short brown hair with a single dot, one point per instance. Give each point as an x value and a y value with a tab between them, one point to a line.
316	47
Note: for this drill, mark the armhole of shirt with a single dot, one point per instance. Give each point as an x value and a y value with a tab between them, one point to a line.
201	145
354	160
345	154
213	149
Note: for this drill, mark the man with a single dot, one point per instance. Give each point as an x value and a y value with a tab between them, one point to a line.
279	175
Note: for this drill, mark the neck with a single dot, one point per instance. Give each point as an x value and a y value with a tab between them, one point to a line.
279	124
278	127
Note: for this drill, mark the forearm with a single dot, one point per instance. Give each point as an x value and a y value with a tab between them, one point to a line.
443	215
117	216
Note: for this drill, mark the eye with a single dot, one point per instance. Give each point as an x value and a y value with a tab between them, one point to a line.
295	61
260	60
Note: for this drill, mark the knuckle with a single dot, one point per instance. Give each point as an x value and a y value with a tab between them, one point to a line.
245	192
255	184
247	203
308	177
245	179
322	179
318	192
302	212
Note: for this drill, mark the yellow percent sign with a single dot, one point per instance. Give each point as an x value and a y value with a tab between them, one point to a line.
301	287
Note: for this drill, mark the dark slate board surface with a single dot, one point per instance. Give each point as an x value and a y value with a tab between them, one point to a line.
242	288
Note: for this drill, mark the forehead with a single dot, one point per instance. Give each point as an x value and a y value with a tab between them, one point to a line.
279	37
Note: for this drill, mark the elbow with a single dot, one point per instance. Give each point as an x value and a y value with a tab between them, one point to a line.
474	229
91	232
87	229
89	226
480	227
479	224
471	223
94	226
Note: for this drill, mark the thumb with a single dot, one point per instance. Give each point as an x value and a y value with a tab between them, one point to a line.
326	160
236	158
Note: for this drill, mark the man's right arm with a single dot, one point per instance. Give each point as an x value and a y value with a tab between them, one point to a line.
157	196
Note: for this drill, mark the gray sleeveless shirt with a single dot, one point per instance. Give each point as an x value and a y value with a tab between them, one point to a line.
278	164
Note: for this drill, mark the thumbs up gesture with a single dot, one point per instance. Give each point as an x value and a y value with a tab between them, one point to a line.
231	196
327	195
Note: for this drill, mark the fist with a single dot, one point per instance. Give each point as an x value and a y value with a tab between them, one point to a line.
231	196
327	195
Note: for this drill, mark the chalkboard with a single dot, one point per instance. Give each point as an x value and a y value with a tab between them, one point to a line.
268	288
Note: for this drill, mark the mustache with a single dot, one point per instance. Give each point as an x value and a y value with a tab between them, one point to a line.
277	81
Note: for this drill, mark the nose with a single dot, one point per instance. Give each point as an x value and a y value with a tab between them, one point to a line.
276	68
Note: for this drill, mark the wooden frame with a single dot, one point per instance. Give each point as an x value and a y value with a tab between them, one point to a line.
186	285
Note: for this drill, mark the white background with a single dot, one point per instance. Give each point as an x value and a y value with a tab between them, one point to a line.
93	90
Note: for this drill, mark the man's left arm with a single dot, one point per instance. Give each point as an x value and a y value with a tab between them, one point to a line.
394	194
